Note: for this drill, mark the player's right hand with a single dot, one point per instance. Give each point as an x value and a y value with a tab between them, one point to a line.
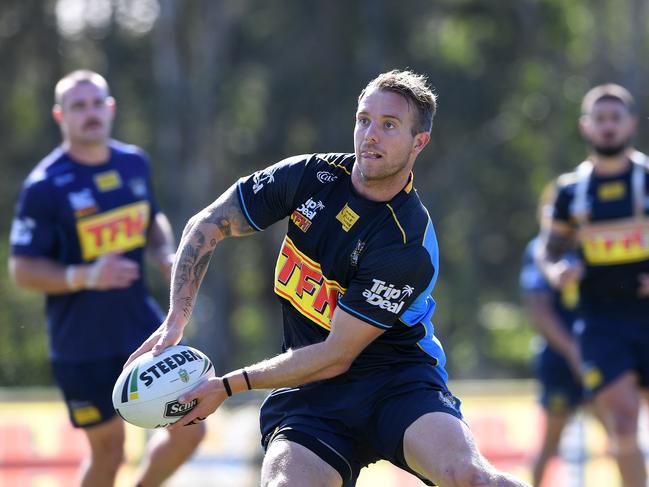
169	333
112	271
564	272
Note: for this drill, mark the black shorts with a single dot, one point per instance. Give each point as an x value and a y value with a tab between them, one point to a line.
611	344
352	421
561	391
88	388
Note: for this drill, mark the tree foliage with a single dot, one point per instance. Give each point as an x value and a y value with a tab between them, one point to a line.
216	89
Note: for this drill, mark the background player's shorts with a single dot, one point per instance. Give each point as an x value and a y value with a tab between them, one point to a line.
354	420
613	343
561	391
87	389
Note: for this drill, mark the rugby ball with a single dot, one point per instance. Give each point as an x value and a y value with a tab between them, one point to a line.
146	393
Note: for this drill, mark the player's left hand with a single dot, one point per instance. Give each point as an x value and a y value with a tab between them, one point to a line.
209	393
169	333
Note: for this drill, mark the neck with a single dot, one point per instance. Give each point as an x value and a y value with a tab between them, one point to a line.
610	165
88	154
381	190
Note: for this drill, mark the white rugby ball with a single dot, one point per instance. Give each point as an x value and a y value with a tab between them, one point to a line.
146	393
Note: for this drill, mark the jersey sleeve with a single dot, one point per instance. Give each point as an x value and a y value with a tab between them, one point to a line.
34	228
531	278
561	207
387	287
268	196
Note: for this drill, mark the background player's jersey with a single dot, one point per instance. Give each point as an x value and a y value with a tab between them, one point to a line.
376	260
614	257
75	213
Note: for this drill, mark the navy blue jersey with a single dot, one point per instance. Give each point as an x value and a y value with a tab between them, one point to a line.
74	213
376	260
614	237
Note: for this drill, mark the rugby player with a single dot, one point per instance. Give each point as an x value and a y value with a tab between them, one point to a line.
84	218
362	374
601	209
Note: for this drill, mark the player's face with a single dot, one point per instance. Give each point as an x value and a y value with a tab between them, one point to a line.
383	140
608	127
86	114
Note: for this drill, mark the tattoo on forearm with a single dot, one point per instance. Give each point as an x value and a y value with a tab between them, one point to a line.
557	245
193	261
195	253
226	214
188	306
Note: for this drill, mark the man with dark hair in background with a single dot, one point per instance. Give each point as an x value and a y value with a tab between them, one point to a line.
362	375
84	218
601	209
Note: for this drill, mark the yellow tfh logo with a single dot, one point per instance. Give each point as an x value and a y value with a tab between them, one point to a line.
118	230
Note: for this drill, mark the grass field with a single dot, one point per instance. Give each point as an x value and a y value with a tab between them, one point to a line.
38	448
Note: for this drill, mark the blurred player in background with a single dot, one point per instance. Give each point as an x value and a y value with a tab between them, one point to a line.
362	375
601	209
557	365
84	218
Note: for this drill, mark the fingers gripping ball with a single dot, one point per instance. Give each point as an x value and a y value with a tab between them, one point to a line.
146	393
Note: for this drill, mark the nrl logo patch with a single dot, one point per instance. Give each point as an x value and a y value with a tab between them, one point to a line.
356	253
447	399
138	186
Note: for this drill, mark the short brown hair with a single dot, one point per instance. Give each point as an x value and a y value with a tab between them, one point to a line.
414	88
74	78
608	91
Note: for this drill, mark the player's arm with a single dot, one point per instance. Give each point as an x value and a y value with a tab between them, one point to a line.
330	358
541	310
222	219
42	274
161	243
557	239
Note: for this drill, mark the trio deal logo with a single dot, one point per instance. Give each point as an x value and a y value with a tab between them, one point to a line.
386	296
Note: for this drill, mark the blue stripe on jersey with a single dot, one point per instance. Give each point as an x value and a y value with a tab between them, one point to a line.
245	210
363	317
423	307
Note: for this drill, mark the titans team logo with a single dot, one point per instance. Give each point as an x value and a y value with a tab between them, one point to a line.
260	178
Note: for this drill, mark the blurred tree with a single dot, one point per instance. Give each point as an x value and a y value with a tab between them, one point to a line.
216	89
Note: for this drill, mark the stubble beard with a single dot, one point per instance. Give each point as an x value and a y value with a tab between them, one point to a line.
611	150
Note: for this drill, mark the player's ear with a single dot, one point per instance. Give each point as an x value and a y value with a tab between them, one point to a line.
110	103
584	123
421	141
57	113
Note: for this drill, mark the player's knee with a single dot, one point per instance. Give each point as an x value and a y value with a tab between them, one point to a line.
466	475
194	434
108	454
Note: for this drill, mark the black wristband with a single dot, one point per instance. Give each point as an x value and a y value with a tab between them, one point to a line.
226	384
245	376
